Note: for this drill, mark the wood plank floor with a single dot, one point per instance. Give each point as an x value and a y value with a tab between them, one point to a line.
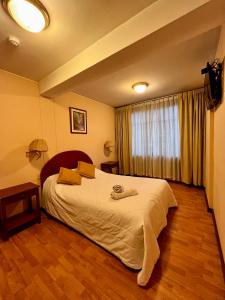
51	261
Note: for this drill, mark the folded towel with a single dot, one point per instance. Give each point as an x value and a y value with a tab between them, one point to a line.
118	188
127	193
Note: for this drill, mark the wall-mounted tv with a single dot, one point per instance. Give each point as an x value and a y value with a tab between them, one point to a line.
213	84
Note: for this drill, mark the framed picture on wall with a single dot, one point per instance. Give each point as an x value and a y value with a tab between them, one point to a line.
78	120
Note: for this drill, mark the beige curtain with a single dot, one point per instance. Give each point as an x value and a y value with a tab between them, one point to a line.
124	139
192	112
163	137
147	138
155	138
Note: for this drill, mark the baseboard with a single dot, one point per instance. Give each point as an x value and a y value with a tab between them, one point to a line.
210	210
219	245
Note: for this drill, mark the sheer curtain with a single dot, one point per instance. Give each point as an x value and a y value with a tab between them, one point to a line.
155	138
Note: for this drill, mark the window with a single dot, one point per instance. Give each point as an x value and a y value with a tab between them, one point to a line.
155	130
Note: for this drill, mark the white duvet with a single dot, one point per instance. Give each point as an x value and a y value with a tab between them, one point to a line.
128	227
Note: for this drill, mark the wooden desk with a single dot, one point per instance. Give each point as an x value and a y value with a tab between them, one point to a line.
109	165
26	191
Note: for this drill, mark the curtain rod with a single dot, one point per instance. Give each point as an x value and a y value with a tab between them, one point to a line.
158	98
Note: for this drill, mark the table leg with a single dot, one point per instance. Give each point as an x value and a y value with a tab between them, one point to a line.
38	208
3	221
30	207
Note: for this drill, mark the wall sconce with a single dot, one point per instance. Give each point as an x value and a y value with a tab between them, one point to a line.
108	147
36	148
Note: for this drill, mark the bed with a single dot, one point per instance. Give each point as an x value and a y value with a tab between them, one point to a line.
128	227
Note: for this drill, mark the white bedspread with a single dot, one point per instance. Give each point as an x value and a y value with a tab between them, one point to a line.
127	227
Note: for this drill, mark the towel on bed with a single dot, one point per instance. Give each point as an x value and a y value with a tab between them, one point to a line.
118	188
127	193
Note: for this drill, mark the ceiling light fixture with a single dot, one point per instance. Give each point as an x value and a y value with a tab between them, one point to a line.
31	15
140	87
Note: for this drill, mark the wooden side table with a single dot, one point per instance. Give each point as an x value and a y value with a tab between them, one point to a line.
26	191
109	165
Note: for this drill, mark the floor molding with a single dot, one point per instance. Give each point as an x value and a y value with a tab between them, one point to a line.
210	210
219	244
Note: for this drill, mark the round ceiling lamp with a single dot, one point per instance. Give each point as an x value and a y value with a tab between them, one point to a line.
140	87
31	15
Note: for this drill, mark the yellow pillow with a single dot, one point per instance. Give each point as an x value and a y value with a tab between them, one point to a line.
68	176
86	170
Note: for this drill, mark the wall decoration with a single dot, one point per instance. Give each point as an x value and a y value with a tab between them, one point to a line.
78	120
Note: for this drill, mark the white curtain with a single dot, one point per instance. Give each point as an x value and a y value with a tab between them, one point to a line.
156	138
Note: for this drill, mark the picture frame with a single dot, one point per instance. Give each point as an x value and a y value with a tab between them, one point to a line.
78	120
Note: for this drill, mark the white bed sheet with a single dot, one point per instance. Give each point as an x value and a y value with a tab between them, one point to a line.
128	227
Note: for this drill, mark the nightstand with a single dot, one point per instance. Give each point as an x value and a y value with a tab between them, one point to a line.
109	165
27	191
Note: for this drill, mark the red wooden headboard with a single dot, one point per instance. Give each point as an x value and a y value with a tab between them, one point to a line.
67	159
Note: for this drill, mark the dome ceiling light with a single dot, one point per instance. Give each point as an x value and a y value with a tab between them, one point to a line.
31	15
140	87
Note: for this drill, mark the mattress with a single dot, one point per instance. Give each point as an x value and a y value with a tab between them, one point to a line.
128	227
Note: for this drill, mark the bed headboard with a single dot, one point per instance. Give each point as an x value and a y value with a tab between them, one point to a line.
66	159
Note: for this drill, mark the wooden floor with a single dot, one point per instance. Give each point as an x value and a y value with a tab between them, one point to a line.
51	261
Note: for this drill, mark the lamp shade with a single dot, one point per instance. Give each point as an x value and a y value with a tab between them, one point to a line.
108	145
39	145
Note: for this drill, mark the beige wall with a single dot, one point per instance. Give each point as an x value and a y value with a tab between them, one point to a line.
215	155
219	155
25	116
19	125
209	157
100	126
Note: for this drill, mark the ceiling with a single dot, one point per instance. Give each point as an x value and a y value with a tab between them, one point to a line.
168	58
168	70
74	26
